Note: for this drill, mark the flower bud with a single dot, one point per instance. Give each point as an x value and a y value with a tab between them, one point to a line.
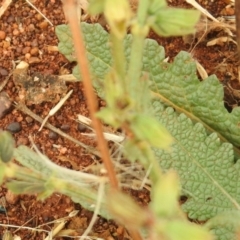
118	14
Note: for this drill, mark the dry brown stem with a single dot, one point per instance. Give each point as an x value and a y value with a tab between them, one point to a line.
4	7
71	14
237	14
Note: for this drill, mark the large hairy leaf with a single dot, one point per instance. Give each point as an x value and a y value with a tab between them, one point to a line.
194	113
80	186
206	166
176	84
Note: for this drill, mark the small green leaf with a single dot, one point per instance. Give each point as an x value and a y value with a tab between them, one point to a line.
165	195
108	117
96	6
175	22
183	230
125	210
20	187
118	14
156	5
149	129
114	92
2	172
231	218
6	146
138	150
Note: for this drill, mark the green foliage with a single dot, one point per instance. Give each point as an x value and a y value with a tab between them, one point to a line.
165	204
149	129
202	128
179	24
175	84
206	167
120	72
43	177
6	146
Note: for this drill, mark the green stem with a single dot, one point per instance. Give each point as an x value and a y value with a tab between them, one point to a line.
135	64
139	32
142	12
118	57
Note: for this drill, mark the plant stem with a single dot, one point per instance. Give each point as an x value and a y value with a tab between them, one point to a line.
135	65
142	11
118	58
139	32
71	12
237	14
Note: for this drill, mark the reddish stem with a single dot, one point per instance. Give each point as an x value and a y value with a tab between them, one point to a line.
71	14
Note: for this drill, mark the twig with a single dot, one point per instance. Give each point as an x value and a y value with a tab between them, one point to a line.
96	211
26	110
237	14
5	81
201	9
5	5
71	14
55	109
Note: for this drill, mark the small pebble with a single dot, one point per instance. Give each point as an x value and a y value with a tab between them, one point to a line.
3	71
31	27
65	127
38	16
11	198
72	101
19	49
27	55
33	60
14	127
43	25
5	104
22	141
81	96
52	135
34	51
16	32
34	43
81	127
62	150
10	19
2	35
28	119
19	118
26	50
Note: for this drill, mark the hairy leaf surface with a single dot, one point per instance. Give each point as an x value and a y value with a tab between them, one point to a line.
195	115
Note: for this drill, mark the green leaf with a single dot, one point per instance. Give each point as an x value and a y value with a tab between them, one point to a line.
117	14
206	167
99	51
138	150
202	128
2	172
165	194
96	6
178	86
6	146
97	46
229	220
40	163
50	177
183	230
148	129
125	210
106	115
20	187
156	5
175	22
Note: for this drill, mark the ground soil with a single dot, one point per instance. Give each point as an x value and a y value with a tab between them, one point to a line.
25	35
